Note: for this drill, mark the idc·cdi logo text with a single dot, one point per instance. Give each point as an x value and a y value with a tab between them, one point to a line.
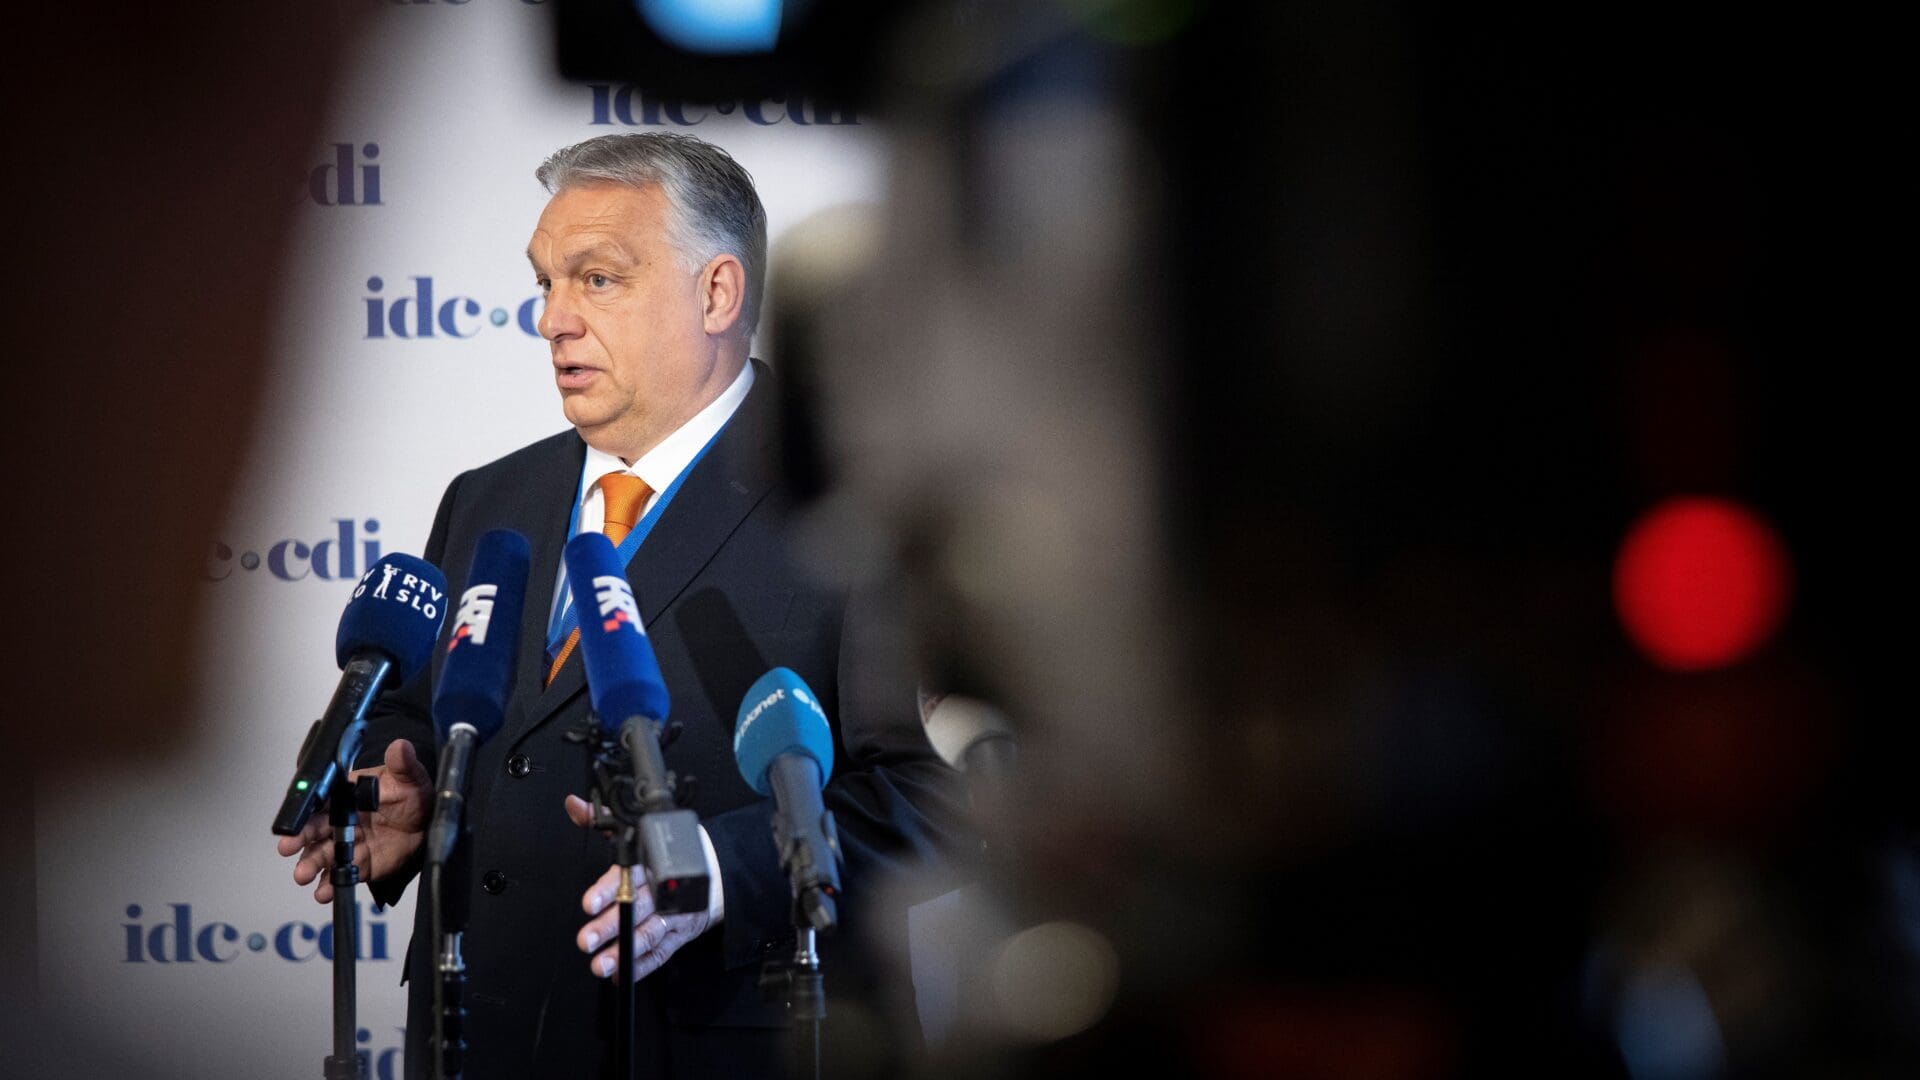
339	557
175	938
424	316
635	106
348	178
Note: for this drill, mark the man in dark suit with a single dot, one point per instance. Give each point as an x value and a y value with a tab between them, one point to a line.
651	255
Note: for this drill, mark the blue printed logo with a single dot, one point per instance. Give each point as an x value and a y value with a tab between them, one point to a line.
474	617
635	106
176	939
350	179
423	316
617	606
339	557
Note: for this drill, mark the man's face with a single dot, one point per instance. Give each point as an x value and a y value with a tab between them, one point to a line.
625	321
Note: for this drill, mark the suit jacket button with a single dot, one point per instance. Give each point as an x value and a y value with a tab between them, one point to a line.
494	882
519	765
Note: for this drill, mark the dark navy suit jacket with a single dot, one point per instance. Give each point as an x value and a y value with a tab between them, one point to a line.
722	601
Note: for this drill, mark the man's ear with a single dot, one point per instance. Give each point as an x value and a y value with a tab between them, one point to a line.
723	288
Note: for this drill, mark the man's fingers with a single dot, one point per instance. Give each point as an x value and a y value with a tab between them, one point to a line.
604	929
316	869
579	811
318	861
317	831
646	963
599	895
313	864
599	931
648	936
314	845
403	761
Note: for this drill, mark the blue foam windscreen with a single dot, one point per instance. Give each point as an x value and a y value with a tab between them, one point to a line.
477	676
396	609
780	715
622	675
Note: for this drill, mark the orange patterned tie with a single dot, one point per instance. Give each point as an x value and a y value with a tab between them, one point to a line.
624	495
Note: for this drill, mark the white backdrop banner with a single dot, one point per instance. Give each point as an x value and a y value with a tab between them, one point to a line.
406	353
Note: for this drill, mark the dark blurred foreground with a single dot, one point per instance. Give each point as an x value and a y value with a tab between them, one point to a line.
1260	399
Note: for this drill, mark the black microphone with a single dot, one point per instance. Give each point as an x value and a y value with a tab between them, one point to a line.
470	699
784	747
386	635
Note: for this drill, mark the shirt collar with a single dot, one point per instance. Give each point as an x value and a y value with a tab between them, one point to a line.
663	464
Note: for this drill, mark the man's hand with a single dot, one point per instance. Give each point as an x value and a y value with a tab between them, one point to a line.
387	838
656	937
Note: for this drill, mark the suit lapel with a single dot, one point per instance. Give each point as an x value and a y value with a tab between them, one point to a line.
542	519
723	487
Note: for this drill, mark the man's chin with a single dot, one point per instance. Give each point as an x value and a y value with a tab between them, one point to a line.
582	414
608	438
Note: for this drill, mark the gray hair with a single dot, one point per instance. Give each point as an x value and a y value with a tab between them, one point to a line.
711	205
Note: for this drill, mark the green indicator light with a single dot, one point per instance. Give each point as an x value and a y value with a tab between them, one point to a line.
300	785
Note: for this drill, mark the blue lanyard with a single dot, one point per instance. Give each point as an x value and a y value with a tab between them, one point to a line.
565	619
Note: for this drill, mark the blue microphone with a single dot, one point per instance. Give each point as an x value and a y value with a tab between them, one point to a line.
386	635
784	748
470	699
622	675
630	700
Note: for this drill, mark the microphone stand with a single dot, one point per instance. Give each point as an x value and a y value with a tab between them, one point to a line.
797	981
622	797
450	985
348	1061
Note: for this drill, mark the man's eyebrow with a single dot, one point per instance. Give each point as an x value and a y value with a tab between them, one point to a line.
599	252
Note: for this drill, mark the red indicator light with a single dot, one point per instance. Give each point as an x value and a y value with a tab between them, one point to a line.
1700	583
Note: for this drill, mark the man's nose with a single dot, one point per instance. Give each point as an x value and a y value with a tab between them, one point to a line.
557	317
